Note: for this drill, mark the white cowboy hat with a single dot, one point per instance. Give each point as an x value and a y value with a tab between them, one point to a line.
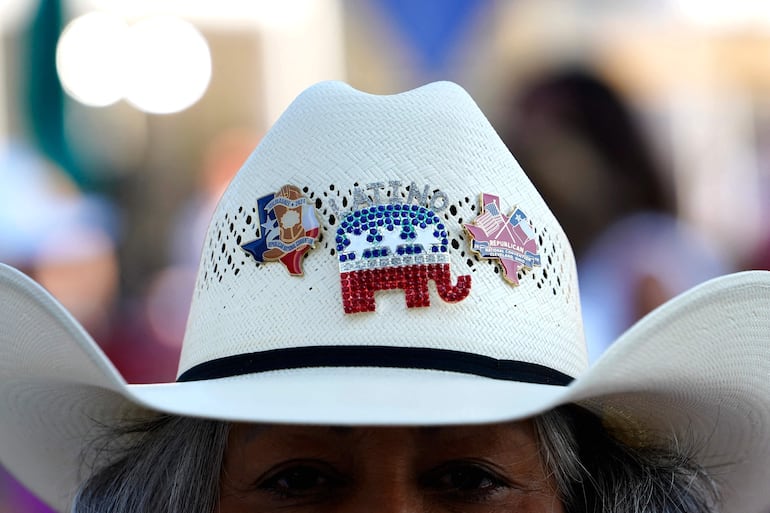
384	260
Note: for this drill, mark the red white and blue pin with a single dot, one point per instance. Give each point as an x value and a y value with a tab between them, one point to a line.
395	246
287	229
508	238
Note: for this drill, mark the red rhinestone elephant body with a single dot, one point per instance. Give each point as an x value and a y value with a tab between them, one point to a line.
395	247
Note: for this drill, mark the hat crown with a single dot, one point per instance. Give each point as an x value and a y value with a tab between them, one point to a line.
298	255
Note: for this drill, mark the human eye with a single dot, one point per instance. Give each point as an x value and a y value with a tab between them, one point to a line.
301	479
467	480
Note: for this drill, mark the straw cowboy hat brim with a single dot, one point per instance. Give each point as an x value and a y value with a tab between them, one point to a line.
696	367
384	260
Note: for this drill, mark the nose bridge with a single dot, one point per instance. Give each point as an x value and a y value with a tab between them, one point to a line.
396	495
388	483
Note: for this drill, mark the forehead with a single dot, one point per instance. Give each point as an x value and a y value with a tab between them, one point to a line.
519	433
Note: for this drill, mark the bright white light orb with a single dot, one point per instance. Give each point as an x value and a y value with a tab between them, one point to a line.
90	58
168	65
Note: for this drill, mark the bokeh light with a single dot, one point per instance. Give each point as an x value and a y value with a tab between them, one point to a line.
168	66
160	64
90	58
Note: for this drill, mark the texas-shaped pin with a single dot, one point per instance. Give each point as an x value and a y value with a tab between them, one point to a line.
510	238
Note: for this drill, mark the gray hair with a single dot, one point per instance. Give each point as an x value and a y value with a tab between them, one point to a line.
173	465
163	464
596	473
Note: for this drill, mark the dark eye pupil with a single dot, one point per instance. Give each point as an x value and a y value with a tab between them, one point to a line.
300	479
467	479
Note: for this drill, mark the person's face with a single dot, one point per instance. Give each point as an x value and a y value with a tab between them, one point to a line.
473	469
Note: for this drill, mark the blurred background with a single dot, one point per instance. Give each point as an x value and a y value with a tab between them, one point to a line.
644	123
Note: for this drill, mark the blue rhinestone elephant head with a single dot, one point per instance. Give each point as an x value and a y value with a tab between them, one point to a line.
395	246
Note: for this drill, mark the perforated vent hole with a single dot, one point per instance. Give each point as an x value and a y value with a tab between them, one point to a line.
328	213
224	254
547	276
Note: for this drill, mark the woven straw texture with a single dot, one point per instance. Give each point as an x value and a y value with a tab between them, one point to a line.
334	139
